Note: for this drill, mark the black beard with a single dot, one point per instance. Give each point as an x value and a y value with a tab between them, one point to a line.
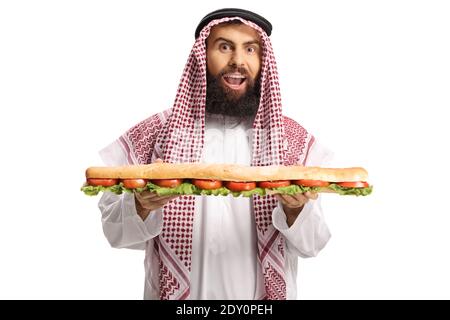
220	100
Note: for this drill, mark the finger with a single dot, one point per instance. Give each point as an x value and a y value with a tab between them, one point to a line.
159	160
300	197
279	198
287	200
145	195
295	201
300	200
152	194
151	201
311	195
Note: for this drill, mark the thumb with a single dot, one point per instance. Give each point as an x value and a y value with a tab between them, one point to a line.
159	160
311	195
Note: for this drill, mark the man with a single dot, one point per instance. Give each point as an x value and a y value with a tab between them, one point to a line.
227	110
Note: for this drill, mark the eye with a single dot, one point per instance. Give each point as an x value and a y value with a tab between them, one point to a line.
224	47
251	50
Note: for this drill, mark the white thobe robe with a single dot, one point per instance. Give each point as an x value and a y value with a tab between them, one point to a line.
225	264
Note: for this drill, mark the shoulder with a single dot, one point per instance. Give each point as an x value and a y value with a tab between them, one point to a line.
291	126
303	147
152	123
297	142
136	144
140	139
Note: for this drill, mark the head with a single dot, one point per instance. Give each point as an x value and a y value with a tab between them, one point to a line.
233	55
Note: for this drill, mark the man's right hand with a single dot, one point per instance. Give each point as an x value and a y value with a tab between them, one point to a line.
147	201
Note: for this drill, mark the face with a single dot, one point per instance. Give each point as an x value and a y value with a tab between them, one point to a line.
233	53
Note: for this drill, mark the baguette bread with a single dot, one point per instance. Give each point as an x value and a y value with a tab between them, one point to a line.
226	172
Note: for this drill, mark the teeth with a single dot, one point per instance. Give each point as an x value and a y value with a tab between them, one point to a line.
236	76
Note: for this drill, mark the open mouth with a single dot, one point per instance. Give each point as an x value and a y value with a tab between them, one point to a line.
234	80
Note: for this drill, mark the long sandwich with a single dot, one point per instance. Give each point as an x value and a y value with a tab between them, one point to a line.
225	179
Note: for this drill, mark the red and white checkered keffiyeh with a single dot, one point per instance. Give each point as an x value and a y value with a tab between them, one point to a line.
177	136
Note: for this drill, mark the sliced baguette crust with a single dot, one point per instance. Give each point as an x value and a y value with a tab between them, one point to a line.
227	172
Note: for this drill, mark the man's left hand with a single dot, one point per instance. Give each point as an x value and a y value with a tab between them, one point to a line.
293	205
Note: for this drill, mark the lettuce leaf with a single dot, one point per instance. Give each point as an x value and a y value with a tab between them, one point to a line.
351	191
94	190
184	188
293	189
91	190
216	192
249	193
187	188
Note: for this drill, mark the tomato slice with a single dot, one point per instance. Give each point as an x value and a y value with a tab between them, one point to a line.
134	183
102	182
168	183
274	184
207	184
240	186
311	183
356	184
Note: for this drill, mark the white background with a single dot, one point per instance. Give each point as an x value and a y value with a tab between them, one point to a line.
370	79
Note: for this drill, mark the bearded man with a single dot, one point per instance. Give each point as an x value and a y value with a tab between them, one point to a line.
227	110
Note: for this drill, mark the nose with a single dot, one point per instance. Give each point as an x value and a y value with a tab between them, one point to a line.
237	59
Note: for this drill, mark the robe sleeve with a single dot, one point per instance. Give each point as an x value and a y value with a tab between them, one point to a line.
122	226
309	234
